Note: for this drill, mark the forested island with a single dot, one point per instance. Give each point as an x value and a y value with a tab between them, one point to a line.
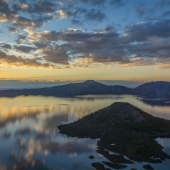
125	130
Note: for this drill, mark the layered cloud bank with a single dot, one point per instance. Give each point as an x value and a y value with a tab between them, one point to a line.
84	33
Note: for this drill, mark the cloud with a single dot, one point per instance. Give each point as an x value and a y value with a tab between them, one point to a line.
153	46
6	46
43	6
21	39
164	3
45	18
148	11
40	44
140	44
4	6
79	11
64	13
55	56
38	13
18	61
23	7
95	15
87	14
87	44
76	22
143	31
13	30
75	35
163	66
90	47
166	14
141	10
23	48
28	23
38	7
6	17
6	14
118	3
94	2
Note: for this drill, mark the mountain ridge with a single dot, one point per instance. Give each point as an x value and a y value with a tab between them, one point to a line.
150	90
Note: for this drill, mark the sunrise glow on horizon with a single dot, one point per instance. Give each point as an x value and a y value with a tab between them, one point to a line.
77	40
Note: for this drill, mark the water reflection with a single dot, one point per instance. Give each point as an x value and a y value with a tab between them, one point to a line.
29	138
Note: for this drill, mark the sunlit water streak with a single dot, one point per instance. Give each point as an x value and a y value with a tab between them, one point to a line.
29	136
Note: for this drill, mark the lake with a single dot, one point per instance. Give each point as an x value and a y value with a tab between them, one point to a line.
29	138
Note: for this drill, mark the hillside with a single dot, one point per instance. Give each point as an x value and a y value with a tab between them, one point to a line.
123	129
149	90
160	89
70	90
118	115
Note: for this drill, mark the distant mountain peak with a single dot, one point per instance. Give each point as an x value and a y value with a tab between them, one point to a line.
89	82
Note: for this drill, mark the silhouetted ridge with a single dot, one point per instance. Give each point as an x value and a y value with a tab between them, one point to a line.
153	89
90	87
92	82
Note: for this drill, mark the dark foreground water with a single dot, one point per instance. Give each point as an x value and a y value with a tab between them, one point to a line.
29	137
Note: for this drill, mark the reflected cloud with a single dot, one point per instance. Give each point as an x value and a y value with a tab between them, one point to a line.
30	164
71	148
22	132
14	156
22	144
29	124
6	135
51	122
18	113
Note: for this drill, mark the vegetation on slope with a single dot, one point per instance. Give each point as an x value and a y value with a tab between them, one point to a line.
130	129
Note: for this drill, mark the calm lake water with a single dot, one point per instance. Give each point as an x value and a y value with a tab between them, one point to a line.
29	137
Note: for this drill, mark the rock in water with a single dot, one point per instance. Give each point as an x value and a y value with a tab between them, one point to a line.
148	167
91	157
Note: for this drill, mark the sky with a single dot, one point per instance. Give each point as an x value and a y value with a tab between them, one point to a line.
76	40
